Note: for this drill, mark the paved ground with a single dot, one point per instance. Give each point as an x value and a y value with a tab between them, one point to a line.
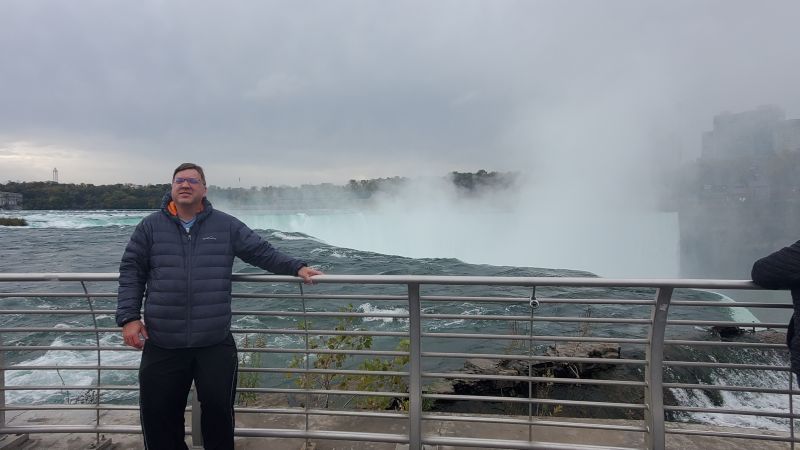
568	437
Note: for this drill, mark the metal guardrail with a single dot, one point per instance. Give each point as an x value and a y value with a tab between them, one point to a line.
420	366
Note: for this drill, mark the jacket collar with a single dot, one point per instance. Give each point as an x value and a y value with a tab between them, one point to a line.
168	207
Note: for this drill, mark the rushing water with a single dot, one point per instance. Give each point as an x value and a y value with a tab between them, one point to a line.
93	241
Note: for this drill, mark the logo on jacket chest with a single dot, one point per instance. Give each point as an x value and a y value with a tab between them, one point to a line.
209	238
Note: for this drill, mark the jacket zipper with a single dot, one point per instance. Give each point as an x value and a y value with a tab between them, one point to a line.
190	264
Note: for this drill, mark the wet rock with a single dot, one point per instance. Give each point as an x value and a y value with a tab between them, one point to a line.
726	332
771	336
513	367
488	367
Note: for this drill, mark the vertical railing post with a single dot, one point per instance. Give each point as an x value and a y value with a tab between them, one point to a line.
99	361
2	385
415	368
306	377
197	414
654	371
534	304
791	408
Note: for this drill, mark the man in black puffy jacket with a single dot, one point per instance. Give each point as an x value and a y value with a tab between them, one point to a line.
781	270
180	259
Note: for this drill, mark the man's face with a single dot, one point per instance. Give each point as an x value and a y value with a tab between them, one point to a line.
188	188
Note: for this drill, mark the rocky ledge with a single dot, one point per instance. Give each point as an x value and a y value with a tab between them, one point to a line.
516	367
479	386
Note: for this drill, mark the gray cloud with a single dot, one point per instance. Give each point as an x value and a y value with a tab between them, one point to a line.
289	93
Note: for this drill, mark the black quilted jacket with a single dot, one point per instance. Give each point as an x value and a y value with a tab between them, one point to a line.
188	275
781	270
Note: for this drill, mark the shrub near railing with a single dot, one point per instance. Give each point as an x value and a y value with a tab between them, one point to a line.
251	360
373	382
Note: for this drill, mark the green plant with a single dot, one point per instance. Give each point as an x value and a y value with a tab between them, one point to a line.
328	361
543	390
87	397
387	383
337	361
250	360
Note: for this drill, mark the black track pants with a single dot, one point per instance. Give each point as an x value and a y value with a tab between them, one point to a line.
165	377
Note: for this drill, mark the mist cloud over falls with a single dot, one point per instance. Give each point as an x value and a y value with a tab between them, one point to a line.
511	225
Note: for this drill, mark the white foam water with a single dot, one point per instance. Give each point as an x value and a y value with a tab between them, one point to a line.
371	309
78	219
70	377
738	314
735	400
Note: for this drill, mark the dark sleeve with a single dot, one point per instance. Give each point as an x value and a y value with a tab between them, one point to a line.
133	272
780	270
252	249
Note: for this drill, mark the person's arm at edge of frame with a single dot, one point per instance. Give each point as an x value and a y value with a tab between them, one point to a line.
252	249
780	270
133	270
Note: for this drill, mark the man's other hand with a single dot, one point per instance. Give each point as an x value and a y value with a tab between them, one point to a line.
306	273
134	333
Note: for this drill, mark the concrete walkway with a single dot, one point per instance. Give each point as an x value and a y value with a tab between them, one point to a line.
566	436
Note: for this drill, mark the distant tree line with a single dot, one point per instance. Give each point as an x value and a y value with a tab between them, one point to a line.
51	195
482	180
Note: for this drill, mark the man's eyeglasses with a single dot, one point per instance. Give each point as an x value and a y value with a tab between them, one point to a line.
180	180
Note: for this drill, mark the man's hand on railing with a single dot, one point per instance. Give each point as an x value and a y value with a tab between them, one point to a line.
306	273
134	334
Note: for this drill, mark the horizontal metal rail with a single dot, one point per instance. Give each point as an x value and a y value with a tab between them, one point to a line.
70	407
321	314
507	444
537	422
321	412
544	401
717	365
284	331
736	304
533	358
753	436
539	318
724	344
537	338
424	280
588	381
383	373
69	367
735	412
324	392
434	349
68	387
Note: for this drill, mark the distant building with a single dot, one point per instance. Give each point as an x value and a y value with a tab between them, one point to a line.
787	138
742	200
10	200
762	132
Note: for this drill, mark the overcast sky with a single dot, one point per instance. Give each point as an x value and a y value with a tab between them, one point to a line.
292	92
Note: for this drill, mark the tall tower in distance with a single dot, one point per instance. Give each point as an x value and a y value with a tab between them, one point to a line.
55	175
